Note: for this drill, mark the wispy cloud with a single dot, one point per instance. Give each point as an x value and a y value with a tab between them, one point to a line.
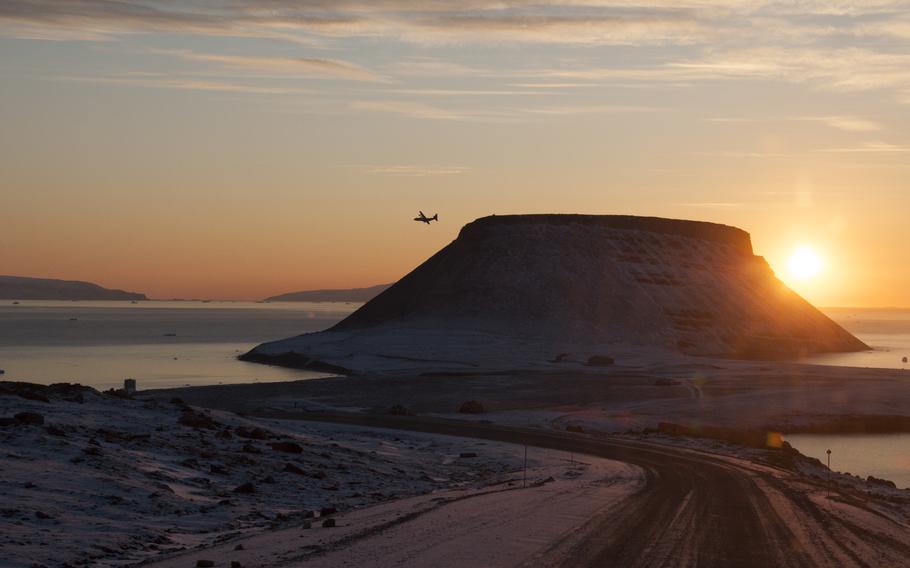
841	46
411	170
181	83
294	66
870	147
847	123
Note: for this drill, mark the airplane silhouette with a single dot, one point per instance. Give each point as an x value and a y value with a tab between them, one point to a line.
424	219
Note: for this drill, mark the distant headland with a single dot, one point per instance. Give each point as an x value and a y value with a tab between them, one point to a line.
25	288
341	295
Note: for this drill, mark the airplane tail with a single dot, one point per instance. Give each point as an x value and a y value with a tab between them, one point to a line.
436	217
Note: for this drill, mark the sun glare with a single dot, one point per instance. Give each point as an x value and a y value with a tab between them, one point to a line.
805	263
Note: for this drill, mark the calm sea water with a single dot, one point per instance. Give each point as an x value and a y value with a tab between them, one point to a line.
887	331
160	344
886	456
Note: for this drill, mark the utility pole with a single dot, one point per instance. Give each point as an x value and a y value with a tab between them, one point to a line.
828	492
524	474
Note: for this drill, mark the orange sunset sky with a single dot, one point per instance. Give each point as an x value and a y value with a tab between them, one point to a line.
236	150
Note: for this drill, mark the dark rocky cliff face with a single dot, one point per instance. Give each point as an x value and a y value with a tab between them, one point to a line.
690	286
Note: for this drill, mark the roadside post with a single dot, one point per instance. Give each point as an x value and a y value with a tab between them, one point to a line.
524	473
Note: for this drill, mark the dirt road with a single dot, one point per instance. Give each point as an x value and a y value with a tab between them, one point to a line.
694	509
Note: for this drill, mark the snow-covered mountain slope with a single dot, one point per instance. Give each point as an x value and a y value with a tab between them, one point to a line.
518	290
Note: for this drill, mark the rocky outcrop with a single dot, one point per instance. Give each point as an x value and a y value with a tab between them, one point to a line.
576	283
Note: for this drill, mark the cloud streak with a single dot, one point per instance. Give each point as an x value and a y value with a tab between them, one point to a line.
291	66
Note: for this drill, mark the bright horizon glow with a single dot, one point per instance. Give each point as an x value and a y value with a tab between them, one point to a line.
805	263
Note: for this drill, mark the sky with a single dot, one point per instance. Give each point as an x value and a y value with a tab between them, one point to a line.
239	149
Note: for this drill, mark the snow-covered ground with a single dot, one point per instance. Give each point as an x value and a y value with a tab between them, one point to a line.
508	524
110	482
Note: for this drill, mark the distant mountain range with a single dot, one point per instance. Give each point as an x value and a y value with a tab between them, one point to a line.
347	295
24	288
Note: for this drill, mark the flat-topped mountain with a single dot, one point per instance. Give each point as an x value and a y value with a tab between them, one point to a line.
331	295
520	289
25	288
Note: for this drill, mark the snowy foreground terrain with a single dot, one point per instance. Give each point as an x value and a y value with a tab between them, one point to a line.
97	480
111	482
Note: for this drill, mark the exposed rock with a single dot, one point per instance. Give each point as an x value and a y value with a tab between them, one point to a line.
291	468
471	407
195	419
575	428
399	410
289	447
467	455
328	523
253	434
205	563
236	564
599	361
29	418
240	547
55	431
326	511
250	449
881	482
118	393
246	488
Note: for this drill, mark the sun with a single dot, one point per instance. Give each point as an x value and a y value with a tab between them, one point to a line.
805	263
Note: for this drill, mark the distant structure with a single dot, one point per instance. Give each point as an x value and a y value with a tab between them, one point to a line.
129	385
521	289
904	360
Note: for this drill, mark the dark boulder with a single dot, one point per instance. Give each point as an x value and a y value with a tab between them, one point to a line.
291	468
246	488
253	434
29	418
288	447
600	361
55	431
195	419
399	410
471	407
